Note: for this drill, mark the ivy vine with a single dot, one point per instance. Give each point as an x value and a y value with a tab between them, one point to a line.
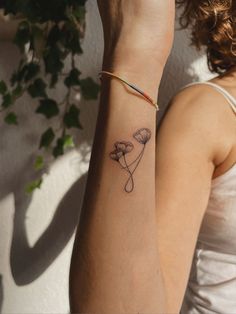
48	34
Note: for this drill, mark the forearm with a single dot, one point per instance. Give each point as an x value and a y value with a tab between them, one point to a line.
115	262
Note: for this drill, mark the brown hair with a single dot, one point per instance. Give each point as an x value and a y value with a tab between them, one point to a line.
213	24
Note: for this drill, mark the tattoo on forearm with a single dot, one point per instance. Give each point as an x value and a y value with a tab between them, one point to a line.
122	148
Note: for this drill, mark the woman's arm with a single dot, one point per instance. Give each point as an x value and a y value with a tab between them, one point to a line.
115	262
191	142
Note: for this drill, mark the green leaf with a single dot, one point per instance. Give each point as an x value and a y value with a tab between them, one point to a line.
31	70
37	89
39	163
47	138
59	148
17	91
54	35
22	36
14	78
27	72
48	107
11	118
18	76
68	141
89	88
36	184
71	118
7	100
71	38
79	12
73	78
63	142
52	60
3	87
15	75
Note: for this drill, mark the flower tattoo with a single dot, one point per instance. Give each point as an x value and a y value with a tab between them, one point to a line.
142	135
122	148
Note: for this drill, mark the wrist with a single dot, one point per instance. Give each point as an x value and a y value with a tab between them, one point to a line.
138	67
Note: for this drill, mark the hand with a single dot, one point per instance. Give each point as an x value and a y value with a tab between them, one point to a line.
143	26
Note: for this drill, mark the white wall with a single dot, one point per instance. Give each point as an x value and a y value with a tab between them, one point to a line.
36	233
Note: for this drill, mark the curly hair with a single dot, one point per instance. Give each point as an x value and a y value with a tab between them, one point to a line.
213	25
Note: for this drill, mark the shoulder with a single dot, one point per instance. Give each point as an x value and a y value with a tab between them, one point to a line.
202	99
202	114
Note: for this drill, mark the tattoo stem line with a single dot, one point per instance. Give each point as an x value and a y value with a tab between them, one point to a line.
135	159
132	172
129	179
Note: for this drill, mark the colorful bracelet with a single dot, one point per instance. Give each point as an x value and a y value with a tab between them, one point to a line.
148	98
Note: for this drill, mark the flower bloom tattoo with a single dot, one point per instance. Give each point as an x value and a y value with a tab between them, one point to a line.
122	148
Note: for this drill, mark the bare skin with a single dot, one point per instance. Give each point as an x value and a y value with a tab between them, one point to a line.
115	266
135	241
184	174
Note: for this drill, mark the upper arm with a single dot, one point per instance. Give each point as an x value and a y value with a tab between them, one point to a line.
186	153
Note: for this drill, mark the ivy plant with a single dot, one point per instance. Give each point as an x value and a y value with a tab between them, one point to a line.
49	33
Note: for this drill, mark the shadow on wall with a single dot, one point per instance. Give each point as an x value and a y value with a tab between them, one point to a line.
28	263
18	146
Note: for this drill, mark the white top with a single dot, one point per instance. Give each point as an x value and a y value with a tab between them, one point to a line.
212	282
